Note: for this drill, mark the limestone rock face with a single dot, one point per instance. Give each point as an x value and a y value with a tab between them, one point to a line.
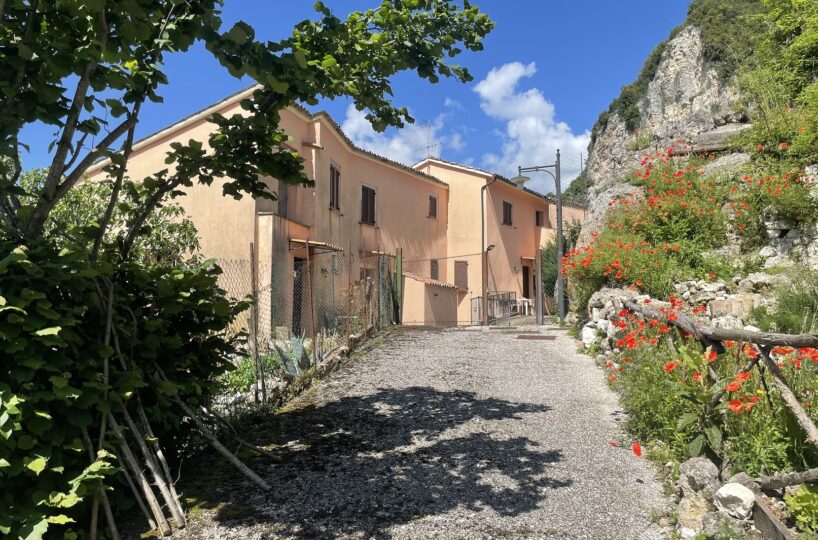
687	97
599	204
685	101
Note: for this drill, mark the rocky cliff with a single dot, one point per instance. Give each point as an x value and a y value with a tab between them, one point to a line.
687	102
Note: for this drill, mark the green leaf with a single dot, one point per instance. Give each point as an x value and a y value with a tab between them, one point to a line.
53	331
276	85
37	465
25	442
301	59
685	420
238	34
35	531
695	446
60	519
328	61
713	437
24	51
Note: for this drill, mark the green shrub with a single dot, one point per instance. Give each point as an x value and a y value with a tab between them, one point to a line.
780	88
52	323
803	506
796	304
243	375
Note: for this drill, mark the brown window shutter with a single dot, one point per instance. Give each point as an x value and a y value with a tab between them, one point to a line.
461	274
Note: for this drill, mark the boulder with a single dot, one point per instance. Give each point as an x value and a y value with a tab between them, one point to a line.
588	335
698	474
759	281
735	500
690	514
725	164
727	321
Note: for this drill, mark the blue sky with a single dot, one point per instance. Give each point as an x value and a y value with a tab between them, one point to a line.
547	71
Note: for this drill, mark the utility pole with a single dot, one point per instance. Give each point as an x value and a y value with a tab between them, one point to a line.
560	279
519	180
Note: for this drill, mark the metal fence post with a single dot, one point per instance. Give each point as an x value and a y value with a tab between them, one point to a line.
538	287
399	284
259	370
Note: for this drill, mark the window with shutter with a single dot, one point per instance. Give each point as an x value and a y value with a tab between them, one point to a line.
506	213
461	274
367	205
539	218
334	188
435	269
432	206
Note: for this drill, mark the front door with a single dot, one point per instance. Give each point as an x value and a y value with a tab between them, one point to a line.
526	282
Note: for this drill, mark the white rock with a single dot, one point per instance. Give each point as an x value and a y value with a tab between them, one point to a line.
727	321
735	500
588	334
767	251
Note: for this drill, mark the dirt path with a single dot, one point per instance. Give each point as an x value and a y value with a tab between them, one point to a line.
445	434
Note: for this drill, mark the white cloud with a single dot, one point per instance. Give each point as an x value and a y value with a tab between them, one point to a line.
532	134
456	142
452	104
408	145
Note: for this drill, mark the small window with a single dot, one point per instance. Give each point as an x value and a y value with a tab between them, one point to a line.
538	216
432	206
506	213
334	188
461	274
434	269
367	205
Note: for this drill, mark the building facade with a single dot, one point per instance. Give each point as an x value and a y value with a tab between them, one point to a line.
362	208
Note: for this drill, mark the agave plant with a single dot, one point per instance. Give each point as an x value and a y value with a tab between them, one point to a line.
295	356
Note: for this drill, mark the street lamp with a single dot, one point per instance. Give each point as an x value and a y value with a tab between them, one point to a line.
484	253
519	180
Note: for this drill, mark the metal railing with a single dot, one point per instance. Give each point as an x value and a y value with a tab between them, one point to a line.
501	305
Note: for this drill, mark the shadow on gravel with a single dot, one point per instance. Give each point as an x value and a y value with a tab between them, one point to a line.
359	465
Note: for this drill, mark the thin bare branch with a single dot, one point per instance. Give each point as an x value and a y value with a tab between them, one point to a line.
109	210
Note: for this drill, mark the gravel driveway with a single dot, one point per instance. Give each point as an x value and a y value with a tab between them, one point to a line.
444	434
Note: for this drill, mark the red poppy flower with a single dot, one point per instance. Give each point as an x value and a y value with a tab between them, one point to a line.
613	443
733	387
743	376
637	449
736	406
697	377
670	366
711	356
612	378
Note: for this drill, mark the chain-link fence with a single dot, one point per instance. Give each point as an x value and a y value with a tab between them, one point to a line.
303	310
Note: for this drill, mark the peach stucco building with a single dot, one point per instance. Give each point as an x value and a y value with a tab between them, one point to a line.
364	206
